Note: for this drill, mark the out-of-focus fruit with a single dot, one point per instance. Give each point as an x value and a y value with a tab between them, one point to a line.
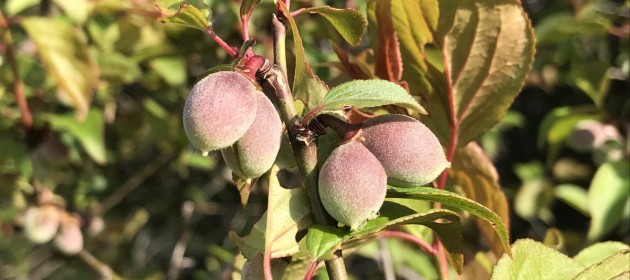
41	223
69	240
219	110
253	154
352	184
410	153
588	135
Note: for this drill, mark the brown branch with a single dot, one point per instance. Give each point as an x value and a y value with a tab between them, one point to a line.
18	87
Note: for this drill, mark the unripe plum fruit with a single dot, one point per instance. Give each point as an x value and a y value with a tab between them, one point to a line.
410	153
69	240
41	223
253	154
352	184
219	110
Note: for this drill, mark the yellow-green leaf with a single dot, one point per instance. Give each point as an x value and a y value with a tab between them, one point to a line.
350	23
65	55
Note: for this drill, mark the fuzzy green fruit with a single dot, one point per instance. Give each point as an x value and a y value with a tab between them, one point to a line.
253	154
410	153
352	184
219	110
41	223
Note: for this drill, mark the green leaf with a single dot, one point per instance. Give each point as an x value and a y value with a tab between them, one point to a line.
15	158
77	10
287	212
117	67
614	267
388	60
171	68
350	23
89	132
368	93
322	240
534	260
187	15
473	171
607	197
574	196
66	57
14	7
307	87
599	252
454	200
558	125
247	7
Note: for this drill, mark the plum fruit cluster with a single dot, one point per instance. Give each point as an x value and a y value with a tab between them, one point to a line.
394	149
224	111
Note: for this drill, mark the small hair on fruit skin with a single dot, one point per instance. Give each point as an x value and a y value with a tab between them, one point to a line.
219	110
408	150
352	184
255	153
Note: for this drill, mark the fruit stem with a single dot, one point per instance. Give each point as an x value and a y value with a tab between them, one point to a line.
345	129
274	81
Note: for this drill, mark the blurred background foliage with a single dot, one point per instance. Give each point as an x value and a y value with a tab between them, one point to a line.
105	83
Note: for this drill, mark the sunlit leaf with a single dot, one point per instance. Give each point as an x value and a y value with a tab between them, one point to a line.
66	57
607	196
349	23
307	87
574	196
14	7
615	267
476	175
90	132
184	14
533	260
599	252
77	10
454	200
368	93
388	64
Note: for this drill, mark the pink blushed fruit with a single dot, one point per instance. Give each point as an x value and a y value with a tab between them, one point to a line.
410	153
253	154
69	240
219	110
352	184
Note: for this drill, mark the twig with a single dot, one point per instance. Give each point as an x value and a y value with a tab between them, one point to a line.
274	81
386	260
229	49
104	270
132	183
310	272
406	236
18	87
177	257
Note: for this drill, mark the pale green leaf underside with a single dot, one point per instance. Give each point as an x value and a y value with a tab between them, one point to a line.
368	93
599	252
188	16
615	267
534	260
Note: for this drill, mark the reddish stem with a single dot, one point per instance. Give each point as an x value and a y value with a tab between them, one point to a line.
229	49
453	122
18	87
440	254
245	26
310	272
406	236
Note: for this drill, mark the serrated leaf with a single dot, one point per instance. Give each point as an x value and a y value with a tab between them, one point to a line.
476	175
89	132
388	63
607	197
322	240
288	211
307	87
350	23
599	252
368	93
454	200
534	260
66	58
615	267
187	15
